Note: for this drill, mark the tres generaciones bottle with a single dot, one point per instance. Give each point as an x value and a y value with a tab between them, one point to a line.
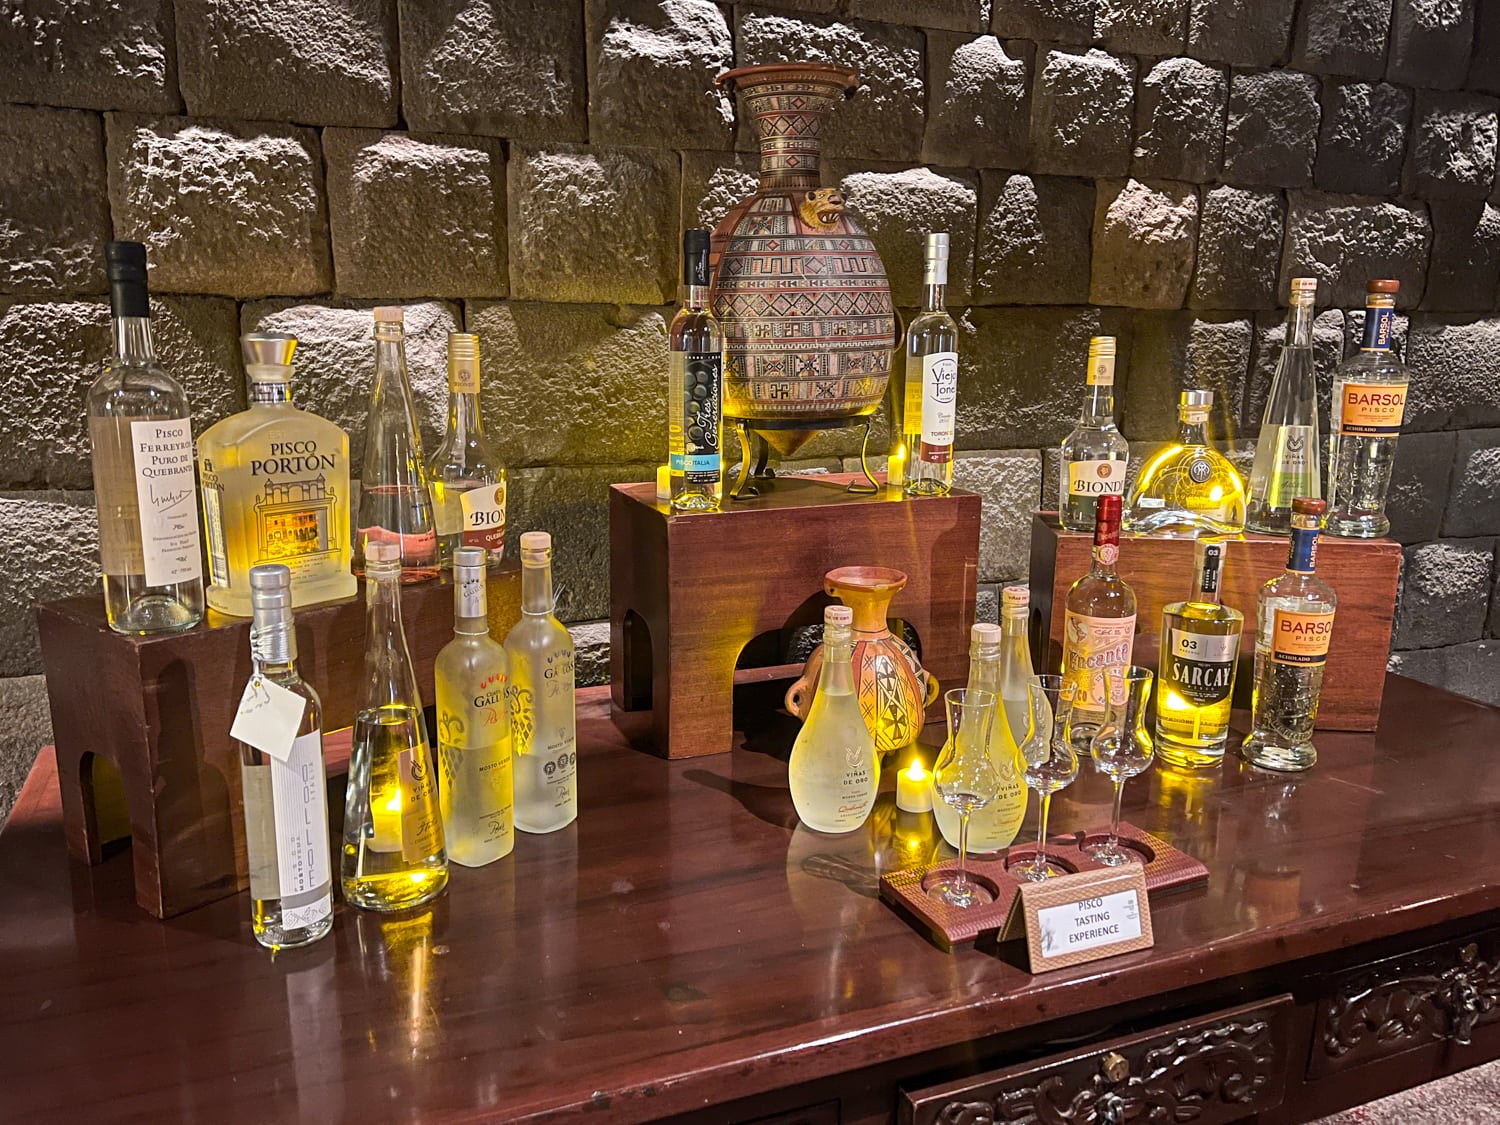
1200	644
695	388
543	719
144	487
1286	452
1187	489
467	479
286	801
927	395
275	488
1369	403
1098	626
1095	455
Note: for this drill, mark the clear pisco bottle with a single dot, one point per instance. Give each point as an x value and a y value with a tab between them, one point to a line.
923	459
467	479
834	771
1187	489
1369	402
472	683
695	388
543	719
1098	627
394	855
144	485
1095	454
1200	644
395	503
1286	452
286	799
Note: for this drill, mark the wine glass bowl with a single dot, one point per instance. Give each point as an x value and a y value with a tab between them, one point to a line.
1121	749
966	778
1051	761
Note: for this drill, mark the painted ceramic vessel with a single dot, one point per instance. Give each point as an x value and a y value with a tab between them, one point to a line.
894	690
798	288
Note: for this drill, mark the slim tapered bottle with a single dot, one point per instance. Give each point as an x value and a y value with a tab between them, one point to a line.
467	479
1286	452
695	388
394	855
472	677
924	458
286	799
543	722
834	771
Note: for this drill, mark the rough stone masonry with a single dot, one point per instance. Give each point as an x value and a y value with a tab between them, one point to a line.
1157	170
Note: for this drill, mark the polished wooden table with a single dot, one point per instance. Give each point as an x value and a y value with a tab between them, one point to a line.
687	948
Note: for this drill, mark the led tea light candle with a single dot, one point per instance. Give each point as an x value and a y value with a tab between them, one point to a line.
914	788
664	483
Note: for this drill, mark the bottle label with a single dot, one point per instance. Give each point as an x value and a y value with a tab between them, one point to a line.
1374	409
1300	638
484	516
1380	322
469	600
1303	556
1292	451
939	406
1101	371
477	721
166	497
1092	646
702	389
1096	478
300	804
213	524
1202	670
421	833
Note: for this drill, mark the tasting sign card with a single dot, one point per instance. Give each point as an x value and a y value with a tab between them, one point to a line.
1085	916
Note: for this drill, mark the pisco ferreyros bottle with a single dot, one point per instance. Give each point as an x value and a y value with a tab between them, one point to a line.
1098	626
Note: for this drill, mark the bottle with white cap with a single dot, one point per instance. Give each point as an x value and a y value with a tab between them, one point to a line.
543	722
924	393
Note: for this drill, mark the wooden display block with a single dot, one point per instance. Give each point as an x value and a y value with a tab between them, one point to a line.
159	709
1362	572
689	592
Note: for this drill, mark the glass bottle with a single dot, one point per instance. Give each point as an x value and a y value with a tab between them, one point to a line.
834	770
1094	455
1286	453
1188	488
1200	643
923	459
394	855
142	438
1369	400
395	505
472	678
1294	625
275	488
1098	627
286	799
467	479
695	388
541	699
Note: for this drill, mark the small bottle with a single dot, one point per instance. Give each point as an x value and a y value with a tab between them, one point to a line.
924	458
834	770
286	799
1200	642
395	504
695	388
394	855
275	488
1369	402
467	479
1094	455
1187	489
1286	453
142	437
472	676
1015	659
541	699
1294	626
1098	626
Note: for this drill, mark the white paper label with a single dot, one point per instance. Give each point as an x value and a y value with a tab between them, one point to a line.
939	397
166	493
1096	478
268	717
1077	926
300	803
1205	646
300	917
484	516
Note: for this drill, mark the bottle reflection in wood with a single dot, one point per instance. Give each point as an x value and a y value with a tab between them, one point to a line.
834	770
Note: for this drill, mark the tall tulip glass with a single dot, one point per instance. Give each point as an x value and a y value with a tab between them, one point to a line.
1122	748
1051	762
966	778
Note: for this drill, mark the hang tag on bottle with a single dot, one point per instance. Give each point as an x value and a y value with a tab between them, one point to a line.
268	717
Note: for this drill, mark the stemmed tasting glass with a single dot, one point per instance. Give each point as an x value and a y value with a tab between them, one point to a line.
1122	748
967	779
1051	762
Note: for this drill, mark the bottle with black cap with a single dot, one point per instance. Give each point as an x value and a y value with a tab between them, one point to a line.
144	485
695	389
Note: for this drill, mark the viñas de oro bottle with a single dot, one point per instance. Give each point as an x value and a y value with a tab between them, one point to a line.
394	855
1286	452
834	770
1200	642
472	676
543	720
467	479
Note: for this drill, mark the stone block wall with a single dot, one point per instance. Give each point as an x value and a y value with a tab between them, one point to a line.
1156	169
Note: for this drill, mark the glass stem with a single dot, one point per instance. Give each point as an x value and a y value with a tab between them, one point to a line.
963	848
1041	835
1114	824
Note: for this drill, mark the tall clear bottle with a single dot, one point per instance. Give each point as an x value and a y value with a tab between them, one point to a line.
467	479
834	770
1369	402
395	503
286	798
1098	627
472	676
541	699
1286	453
1095	454
394	855
695	388
922	462
144	486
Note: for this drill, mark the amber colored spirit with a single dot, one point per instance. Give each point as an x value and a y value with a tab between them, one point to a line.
1098	626
1200	643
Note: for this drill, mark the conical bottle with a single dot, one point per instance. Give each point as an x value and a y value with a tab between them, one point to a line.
1286	452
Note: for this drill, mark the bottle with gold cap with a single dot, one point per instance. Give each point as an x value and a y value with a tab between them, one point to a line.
1095	454
1286	452
467	478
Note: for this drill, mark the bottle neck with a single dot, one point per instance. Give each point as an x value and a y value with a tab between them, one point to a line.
837	676
1106	549
536	589
133	340
1302	558
383	606
1099	407
264	393
470	604
390	350
694	298
1299	326
935	296
1206	588
984	670
1193	430
1380	321
273	644
463	415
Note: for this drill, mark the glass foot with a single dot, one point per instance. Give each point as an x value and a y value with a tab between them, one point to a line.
961	893
1034	872
1111	855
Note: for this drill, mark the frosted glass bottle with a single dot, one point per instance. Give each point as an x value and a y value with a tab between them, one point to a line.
834	770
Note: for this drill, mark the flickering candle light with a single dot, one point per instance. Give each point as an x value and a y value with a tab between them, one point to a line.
914	788
664	482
